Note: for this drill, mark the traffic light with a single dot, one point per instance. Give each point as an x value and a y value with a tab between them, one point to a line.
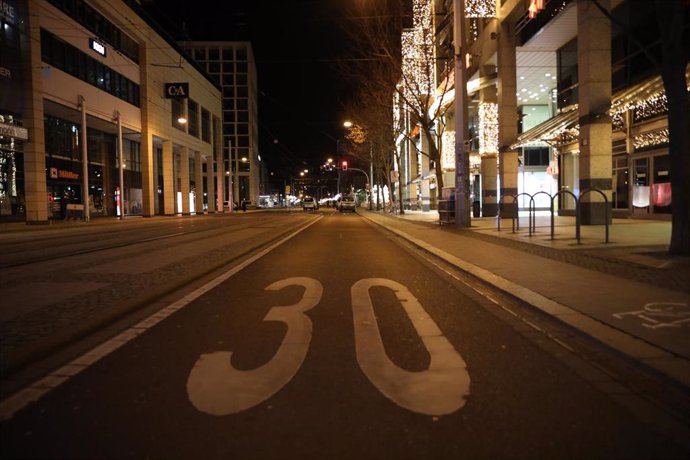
344	167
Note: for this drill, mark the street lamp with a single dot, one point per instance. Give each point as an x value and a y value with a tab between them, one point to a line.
350	124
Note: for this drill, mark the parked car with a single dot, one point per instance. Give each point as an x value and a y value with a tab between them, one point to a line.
309	204
347	203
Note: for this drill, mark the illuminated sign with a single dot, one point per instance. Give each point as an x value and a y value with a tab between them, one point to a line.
8	11
176	90
13	131
535	6
56	173
97	46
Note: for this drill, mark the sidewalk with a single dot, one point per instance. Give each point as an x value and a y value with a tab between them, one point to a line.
628	294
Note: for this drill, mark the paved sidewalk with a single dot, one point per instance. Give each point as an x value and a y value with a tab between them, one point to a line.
628	294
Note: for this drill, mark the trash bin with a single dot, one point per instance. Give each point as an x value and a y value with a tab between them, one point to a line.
475	209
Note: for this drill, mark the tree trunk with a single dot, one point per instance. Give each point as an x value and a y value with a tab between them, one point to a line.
671	15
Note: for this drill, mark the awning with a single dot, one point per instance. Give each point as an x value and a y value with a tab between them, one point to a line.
555	130
563	128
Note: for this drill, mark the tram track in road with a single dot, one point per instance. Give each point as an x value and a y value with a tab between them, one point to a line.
35	358
39	250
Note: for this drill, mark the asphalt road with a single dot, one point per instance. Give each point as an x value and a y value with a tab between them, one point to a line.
338	343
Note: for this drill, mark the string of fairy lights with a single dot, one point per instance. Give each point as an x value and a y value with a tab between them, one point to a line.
488	127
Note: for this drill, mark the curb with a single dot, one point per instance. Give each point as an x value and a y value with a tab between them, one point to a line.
651	356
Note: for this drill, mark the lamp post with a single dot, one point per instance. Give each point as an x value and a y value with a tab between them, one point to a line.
350	124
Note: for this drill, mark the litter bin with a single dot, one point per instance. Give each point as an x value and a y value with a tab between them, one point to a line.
475	209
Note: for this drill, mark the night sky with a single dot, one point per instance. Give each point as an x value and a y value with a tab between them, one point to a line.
297	46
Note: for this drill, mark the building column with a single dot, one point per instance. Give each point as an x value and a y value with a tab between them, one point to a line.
35	187
184	179
210	184
594	101
508	119
488	145
168	179
148	170
199	183
424	172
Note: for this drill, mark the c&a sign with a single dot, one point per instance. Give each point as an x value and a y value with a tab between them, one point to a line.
176	90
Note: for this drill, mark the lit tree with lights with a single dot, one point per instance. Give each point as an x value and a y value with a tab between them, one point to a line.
400	63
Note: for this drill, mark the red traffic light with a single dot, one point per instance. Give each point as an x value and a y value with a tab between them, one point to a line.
344	166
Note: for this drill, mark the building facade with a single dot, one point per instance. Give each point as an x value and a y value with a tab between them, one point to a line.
103	117
231	65
563	101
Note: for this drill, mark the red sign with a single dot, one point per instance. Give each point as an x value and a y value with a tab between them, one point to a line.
535	6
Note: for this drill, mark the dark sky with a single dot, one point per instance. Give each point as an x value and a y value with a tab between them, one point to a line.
297	44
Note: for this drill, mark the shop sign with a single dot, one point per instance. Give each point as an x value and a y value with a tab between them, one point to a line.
13	131
8	11
56	173
176	90
97	46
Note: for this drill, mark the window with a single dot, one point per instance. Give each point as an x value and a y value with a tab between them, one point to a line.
193	118
199	54
177	111
536	156
99	25
227	54
567	74
205	125
73	61
213	54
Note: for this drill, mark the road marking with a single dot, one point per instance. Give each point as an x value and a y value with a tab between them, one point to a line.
41	387
215	387
661	315
441	389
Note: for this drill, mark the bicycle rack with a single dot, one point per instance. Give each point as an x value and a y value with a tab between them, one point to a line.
553	219
498	215
578	210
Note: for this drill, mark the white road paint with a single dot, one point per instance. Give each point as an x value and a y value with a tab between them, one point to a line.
41	387
441	389
659	315
215	387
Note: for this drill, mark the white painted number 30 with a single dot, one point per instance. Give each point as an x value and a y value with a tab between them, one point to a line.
216	387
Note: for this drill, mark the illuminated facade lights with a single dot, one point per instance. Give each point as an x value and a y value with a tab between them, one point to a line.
651	139
448	150
480	8
488	127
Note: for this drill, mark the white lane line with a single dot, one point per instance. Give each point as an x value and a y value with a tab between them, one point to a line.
41	387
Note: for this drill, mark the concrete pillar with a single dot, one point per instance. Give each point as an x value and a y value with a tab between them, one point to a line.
508	119
35	189
184	179
489	172
594	100
424	172
148	171
168	180
210	184
220	167
488	146
413	170
199	182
